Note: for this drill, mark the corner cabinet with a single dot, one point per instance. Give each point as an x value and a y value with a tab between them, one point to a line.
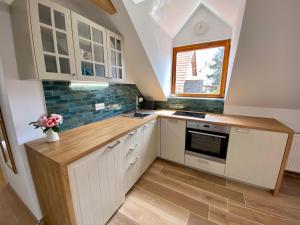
255	156
54	43
173	140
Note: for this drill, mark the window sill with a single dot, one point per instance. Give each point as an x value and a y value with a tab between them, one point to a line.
196	98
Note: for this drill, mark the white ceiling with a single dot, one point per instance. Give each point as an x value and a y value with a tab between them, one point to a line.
171	15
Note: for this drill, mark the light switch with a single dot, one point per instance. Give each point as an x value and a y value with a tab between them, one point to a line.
99	106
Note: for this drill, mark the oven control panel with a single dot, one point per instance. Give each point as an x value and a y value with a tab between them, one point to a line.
208	127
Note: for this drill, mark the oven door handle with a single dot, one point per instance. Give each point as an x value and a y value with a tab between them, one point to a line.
206	134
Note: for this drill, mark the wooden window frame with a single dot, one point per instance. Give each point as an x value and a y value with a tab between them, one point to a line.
222	43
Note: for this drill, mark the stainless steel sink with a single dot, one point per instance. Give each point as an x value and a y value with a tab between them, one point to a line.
137	115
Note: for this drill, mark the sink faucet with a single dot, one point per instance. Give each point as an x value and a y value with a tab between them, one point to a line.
136	103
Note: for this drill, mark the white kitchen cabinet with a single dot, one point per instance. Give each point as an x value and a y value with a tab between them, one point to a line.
140	151
255	156
43	40
132	155
149	150
173	139
55	43
90	49
97	184
115	55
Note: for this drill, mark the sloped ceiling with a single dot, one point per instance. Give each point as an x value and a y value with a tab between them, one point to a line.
266	70
158	21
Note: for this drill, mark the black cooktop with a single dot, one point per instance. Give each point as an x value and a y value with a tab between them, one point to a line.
190	114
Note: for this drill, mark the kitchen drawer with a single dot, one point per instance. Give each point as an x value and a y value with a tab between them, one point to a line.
206	165
132	173
132	146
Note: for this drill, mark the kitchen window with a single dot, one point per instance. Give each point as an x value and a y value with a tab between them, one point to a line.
200	70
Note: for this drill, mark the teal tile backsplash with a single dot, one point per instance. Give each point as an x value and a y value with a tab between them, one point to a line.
193	104
77	104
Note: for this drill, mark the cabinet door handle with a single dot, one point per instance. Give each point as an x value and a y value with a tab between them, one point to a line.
172	121
112	146
133	133
243	130
131	149
134	162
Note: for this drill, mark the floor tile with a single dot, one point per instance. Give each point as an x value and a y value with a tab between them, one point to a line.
179	199
188	190
207	186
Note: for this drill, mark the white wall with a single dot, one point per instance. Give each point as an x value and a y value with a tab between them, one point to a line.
217	29
265	77
21	102
156	41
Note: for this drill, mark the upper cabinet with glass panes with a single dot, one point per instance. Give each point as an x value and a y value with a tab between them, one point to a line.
115	56
53	43
90	49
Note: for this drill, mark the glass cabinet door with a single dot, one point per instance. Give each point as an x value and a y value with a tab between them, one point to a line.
52	37
115	56
90	49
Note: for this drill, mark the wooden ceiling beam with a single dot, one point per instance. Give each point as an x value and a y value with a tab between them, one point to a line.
106	5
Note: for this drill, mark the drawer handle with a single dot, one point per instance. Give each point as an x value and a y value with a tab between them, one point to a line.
131	149
134	162
133	133
145	126
243	130
113	146
172	121
203	161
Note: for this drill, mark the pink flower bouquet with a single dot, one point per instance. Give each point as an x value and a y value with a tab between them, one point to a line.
48	121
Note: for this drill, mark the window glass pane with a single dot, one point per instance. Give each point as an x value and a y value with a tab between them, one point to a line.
97	36
47	39
112	42
50	62
199	71
119	59
118	45
84	30
62	44
120	74
59	19
85	50
114	72
45	14
98	53
87	69
100	70
113	58
64	65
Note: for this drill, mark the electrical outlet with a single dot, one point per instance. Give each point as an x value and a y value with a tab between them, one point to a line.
141	99
99	106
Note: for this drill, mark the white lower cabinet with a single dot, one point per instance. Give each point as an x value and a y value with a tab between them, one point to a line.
146	151
205	165
255	156
97	184
173	139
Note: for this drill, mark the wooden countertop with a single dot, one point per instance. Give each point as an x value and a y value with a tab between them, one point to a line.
238	121
78	142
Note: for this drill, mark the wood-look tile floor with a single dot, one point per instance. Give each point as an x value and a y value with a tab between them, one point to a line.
12	209
169	194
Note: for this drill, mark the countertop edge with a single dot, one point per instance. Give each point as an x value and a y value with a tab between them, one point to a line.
64	163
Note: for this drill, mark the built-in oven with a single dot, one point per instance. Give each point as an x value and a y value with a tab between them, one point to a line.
207	141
